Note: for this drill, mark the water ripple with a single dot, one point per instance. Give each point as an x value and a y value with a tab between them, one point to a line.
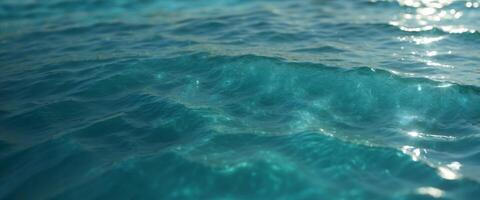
239	99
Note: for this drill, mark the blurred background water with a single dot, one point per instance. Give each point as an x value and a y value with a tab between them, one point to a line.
230	99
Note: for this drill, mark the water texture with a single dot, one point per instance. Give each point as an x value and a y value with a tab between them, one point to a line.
227	99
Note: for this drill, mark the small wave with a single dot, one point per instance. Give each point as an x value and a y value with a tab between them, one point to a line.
187	100
321	49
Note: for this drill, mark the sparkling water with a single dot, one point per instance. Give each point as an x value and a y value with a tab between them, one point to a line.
237	99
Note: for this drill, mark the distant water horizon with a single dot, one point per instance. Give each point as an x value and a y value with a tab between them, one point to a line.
231	99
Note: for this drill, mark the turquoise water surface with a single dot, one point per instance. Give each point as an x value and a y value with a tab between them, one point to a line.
237	99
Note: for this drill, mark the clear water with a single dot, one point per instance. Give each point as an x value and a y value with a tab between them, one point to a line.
226	99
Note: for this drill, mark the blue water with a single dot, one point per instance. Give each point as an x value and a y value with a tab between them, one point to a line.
230	99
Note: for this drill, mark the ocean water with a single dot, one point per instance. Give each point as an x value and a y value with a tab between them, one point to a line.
237	99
